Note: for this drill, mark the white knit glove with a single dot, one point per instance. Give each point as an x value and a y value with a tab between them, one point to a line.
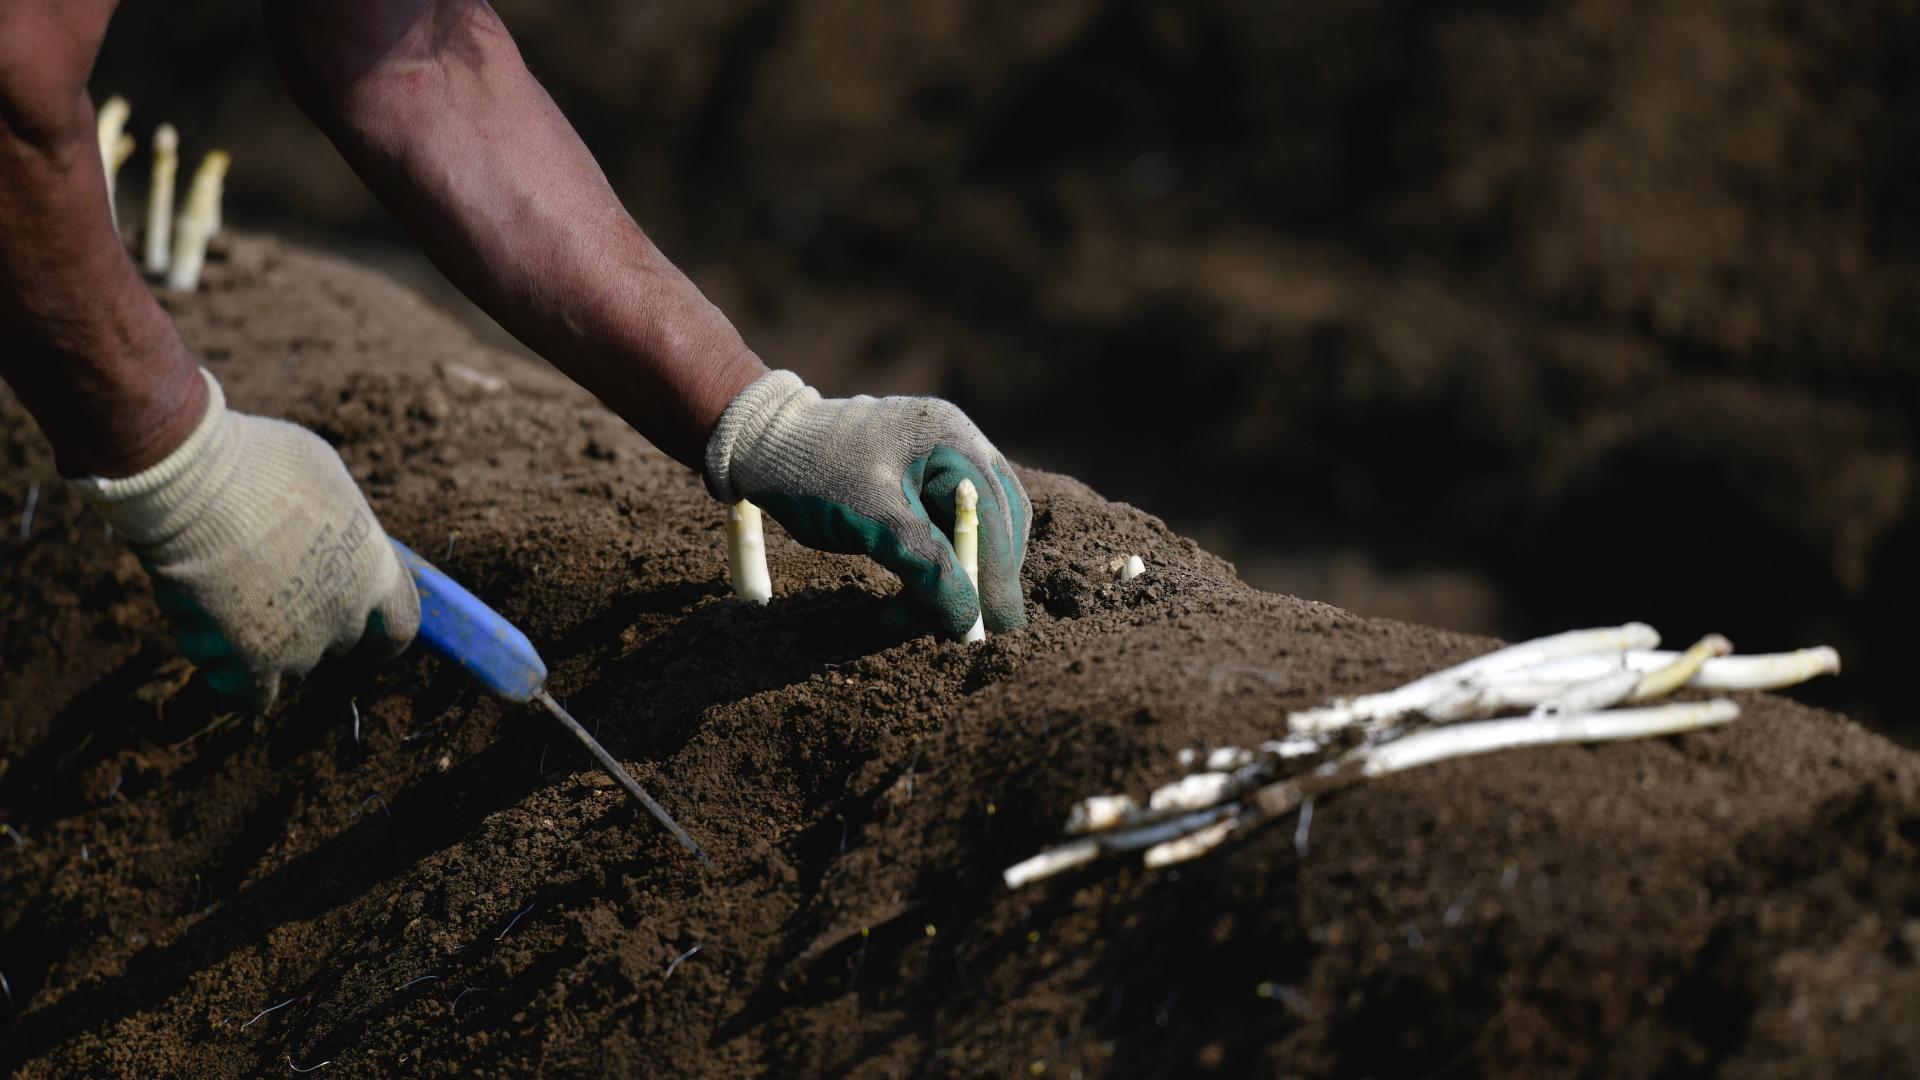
263	552
877	476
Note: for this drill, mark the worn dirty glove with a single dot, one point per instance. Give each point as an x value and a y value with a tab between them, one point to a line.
877	476
263	552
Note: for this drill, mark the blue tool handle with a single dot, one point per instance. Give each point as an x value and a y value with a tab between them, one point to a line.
455	624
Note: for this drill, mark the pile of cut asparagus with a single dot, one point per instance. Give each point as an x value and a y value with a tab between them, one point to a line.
1571	686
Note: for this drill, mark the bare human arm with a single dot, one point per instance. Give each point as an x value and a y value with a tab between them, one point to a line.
263	553
82	341
431	104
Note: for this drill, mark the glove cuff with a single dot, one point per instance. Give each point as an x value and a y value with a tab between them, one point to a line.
748	414
157	503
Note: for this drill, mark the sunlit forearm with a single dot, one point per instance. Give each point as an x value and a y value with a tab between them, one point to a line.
432	105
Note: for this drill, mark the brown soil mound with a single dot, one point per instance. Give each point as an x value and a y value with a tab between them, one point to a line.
1545	278
448	888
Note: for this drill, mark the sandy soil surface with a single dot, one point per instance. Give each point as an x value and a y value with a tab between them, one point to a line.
451	889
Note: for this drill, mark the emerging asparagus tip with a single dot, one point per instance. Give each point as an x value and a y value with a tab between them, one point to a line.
966	545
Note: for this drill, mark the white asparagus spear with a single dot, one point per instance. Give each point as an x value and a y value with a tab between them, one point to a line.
1592	683
1537	672
1663	681
1292	746
1591	696
1191	792
1763	671
166	165
1051	861
1098	813
1203	827
747	553
115	145
1528	653
1463	740
966	546
122	150
1502	696
1227	758
197	222
1772	671
1160	832
1717	671
1417	695
1088	848
1191	846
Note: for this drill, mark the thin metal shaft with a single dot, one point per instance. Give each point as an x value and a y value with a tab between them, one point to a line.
619	772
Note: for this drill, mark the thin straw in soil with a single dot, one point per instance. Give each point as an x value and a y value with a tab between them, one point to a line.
26	512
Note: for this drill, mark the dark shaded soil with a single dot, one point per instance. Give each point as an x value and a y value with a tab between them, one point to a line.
455	891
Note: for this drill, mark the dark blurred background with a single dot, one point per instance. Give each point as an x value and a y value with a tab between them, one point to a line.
1506	317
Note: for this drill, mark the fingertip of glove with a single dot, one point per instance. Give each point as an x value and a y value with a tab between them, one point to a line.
948	605
385	637
399	616
1002	618
233	680
953	620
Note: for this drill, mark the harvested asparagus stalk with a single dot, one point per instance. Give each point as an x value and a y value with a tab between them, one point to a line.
1764	671
1203	826
1772	671
198	222
1649	670
122	150
1051	861
1191	846
1414	697
1627	685
1663	681
1195	791
115	145
1501	697
747	553
1530	673
166	165
1228	758
1085	850
1102	812
966	546
1465	740
1601	693
1568	680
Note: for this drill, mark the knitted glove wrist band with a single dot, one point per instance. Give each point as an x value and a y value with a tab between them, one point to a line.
750	412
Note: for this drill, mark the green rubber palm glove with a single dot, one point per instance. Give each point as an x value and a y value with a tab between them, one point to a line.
876	476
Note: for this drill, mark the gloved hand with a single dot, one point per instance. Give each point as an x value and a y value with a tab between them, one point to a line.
877	475
263	552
